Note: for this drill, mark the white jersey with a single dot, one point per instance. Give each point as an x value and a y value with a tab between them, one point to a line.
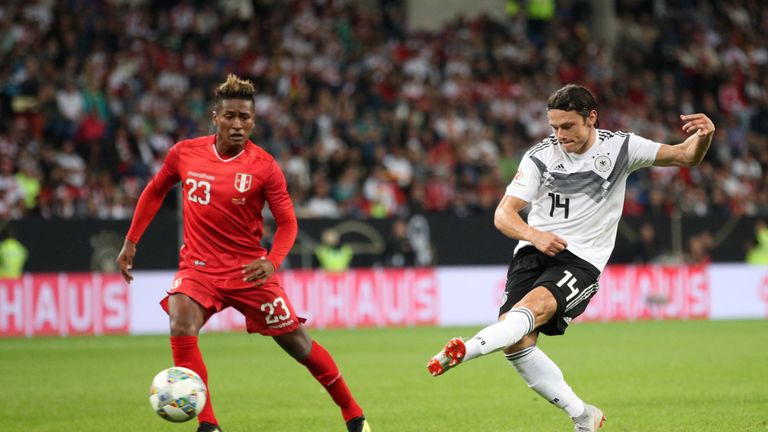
580	197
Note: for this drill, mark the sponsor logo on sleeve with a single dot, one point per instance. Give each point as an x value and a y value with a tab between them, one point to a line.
521	178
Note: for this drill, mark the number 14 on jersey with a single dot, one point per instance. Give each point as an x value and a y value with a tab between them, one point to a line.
558	202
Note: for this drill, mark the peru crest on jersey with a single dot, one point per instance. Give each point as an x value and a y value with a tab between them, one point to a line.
242	182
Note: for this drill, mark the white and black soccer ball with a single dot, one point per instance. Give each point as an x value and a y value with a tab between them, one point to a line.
177	394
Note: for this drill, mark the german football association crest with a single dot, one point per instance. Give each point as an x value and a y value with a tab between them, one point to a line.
242	182
602	163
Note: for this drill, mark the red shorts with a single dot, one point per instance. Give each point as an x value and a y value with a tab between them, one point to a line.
266	308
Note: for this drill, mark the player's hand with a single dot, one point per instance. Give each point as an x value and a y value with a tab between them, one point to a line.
125	259
258	271
547	242
697	123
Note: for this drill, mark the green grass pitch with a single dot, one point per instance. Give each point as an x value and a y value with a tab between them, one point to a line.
648	376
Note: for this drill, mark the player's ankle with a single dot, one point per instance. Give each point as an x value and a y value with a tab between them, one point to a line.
473	348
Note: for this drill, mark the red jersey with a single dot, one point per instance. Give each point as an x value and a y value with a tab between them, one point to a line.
222	203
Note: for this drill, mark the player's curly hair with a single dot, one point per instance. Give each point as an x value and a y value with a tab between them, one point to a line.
574	97
235	88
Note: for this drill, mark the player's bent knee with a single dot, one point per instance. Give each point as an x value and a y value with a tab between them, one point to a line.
184	325
541	302
183	328
186	316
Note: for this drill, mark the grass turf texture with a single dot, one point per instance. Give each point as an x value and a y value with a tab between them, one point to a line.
648	376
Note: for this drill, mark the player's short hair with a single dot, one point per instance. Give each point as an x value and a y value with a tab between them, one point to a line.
235	88
574	97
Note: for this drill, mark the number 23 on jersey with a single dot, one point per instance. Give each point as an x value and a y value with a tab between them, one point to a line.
199	191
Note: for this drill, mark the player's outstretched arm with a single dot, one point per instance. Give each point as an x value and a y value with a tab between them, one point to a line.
691	151
149	203
507	220
125	259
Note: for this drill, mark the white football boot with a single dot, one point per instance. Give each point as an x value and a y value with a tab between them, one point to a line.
590	421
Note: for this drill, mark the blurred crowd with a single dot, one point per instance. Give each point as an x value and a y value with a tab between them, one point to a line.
367	117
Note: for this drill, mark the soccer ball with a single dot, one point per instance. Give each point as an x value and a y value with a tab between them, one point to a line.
177	394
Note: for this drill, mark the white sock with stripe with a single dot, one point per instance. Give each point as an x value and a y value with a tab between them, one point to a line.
517	323
546	379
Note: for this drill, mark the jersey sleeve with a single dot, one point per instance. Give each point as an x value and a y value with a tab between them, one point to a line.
642	152
527	180
276	195
153	195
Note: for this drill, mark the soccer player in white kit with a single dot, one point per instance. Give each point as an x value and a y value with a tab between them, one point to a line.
575	181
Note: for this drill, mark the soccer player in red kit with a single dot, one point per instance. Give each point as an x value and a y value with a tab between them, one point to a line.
226	180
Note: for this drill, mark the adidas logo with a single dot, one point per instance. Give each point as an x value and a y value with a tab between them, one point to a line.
558	167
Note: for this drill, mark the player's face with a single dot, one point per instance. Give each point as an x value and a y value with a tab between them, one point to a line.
572	131
234	122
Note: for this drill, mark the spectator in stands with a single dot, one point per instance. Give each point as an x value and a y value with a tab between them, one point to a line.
698	249
71	106
456	101
321	204
12	202
29	180
647	248
399	251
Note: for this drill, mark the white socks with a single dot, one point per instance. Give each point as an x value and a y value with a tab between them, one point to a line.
517	323
538	370
546	379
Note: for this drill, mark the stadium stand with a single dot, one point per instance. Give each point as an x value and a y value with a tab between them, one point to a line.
366	117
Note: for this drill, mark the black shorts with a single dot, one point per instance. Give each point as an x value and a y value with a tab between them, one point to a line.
571	280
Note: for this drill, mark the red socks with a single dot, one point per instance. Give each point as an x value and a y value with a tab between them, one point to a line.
186	354
324	369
